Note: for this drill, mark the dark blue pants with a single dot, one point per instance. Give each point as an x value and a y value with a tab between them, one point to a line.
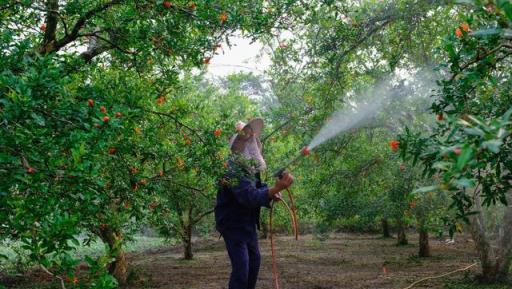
245	258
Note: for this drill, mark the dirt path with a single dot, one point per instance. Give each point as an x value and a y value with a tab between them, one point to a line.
343	261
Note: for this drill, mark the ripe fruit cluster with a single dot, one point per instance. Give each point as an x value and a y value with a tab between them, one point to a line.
394	144
463	27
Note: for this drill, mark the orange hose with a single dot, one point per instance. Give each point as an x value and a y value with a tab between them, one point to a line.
293	215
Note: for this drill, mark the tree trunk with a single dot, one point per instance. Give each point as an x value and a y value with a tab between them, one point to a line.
495	260
401	236
424	246
118	268
385	228
187	242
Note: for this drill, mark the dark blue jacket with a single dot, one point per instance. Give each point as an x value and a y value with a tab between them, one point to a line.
239	199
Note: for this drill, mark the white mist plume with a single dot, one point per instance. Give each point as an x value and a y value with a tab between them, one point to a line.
387	95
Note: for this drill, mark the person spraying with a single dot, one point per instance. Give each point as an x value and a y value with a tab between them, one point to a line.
240	197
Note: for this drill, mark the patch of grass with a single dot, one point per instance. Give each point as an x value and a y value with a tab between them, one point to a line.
95	249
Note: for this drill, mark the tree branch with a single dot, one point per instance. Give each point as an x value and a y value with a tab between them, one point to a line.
80	23
52	14
201	216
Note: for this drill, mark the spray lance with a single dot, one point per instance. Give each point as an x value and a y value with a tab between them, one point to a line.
305	151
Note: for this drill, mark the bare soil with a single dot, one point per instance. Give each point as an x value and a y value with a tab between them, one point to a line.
341	261
350	261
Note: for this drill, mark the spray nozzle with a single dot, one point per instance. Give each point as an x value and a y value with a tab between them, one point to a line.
279	173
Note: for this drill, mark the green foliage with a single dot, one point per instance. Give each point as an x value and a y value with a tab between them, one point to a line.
470	147
82	92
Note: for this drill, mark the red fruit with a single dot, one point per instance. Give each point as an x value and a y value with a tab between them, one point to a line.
188	142
143	182
134	170
161	173
207	60
106	119
457	151
103	226
440	117
217	132
126	205
465	26
118	114
394	144
112	151
97	125
226	165
75	280
402	167
152	206
91	102
31	170
458	33
135	187
305	151
103	109
160	100
43	27
192	6
167	4
412	204
223	17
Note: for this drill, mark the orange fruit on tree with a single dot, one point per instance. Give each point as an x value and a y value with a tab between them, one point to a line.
458	32
465	27
217	132
394	144
160	100
223	17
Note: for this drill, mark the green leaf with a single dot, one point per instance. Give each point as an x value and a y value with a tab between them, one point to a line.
486	32
444	166
39	119
493	145
425	189
466	2
464	157
465	183
474	131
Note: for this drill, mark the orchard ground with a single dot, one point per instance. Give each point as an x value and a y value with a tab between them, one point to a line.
340	261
